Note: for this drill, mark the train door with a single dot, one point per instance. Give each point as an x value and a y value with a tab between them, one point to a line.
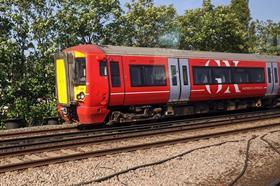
179	79
275	78
116	81
184	78
64	78
272	76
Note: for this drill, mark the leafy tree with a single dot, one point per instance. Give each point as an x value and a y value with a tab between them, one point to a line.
242	11
145	24
28	57
87	21
207	5
267	37
214	29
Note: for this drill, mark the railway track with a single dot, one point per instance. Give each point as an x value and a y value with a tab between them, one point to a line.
67	144
59	133
34	144
10	135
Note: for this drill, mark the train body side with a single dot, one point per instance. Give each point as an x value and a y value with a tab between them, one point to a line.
117	85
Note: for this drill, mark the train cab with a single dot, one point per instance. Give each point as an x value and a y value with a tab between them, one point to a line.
77	77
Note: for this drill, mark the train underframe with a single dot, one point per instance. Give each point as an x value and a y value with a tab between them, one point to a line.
155	112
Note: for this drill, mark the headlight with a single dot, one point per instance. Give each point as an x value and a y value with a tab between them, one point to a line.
64	110
81	96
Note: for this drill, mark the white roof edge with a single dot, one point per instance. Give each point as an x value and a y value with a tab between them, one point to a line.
142	51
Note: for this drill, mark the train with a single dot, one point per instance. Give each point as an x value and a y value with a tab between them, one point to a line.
104	84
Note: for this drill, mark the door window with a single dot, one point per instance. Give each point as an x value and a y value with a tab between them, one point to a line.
269	74
185	75
174	75
275	75
115	74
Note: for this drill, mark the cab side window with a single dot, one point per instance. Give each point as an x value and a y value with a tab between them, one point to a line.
103	68
115	74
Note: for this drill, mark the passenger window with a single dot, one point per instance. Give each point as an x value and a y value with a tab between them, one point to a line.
147	75
240	75
115	74
256	75
275	75
221	76
202	75
135	76
174	75
185	75
269	74
103	68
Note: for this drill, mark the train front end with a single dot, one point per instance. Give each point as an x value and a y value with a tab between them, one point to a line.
82	94
70	83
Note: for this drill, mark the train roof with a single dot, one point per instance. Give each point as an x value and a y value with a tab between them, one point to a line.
142	51
164	52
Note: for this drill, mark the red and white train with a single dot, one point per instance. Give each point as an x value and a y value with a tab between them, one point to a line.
110	84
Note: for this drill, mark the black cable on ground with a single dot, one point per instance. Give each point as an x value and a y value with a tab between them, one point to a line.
245	163
151	164
269	143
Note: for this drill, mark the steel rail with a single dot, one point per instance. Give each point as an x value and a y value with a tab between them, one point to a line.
85	140
130	127
15	134
78	156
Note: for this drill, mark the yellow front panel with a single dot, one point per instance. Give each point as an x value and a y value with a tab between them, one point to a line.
61	81
79	54
78	90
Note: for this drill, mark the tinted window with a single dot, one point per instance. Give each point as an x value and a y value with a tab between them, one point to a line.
221	75
185	75
136	76
256	75
240	75
275	75
174	75
147	75
80	70
202	75
269	75
103	68
115	74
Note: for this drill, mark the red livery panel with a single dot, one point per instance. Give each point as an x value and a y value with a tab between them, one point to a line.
111	84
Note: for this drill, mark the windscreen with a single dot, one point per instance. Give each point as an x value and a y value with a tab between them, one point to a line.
80	71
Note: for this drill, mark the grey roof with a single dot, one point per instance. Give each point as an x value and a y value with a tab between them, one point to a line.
141	51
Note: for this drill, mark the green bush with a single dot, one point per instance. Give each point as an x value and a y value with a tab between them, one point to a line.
40	110
2	126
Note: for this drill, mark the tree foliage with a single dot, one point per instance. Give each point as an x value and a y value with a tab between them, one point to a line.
33	31
144	23
267	37
87	21
212	29
241	9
